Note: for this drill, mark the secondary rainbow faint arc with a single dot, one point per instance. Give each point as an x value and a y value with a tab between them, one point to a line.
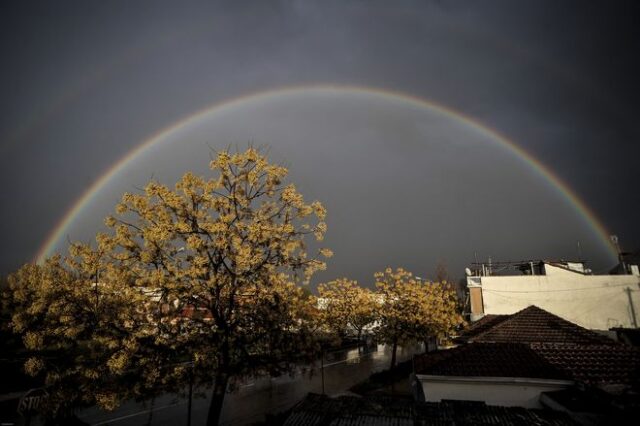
63	226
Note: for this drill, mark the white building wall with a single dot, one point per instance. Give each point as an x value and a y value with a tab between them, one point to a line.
596	302
509	392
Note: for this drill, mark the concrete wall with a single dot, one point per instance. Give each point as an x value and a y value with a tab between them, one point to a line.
593	301
509	392
477	305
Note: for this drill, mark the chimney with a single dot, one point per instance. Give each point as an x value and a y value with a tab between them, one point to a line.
474	284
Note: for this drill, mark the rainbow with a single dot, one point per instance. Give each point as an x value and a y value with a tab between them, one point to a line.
535	165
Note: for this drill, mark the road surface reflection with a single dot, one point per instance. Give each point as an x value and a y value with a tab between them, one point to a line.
256	398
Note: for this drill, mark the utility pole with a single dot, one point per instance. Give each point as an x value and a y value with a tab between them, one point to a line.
633	310
614	241
190	394
322	370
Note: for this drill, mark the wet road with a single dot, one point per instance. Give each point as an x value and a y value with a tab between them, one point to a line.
255	399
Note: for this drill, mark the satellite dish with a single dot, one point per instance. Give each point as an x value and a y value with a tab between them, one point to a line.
467	271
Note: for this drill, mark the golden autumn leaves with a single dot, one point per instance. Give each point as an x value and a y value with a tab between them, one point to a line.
401	310
413	310
205	273
244	215
74	326
345	306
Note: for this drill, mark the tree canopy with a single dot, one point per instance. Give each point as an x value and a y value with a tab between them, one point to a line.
346	306
199	282
232	248
410	310
79	320
210	267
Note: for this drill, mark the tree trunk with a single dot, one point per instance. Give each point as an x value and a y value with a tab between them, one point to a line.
217	398
150	417
393	353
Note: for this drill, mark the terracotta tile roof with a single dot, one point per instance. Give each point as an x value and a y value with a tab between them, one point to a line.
316	410
594	364
488	360
537	344
597	365
533	324
480	326
477	413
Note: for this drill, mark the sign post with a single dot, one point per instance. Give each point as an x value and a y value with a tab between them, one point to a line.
30	402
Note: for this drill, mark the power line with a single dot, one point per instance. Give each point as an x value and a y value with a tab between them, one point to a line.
559	290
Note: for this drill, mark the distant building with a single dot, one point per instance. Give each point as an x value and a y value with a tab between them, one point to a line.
567	289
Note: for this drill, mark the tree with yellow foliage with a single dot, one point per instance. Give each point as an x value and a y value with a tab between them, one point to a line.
200	279
411	310
346	306
224	255
78	319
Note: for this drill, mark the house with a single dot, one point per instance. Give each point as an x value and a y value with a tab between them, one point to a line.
567	289
524	359
502	374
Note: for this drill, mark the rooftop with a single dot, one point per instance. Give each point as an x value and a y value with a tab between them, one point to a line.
534	343
317	410
594	364
478	327
526	267
488	360
530	325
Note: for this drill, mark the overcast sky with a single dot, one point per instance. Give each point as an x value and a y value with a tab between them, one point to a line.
85	82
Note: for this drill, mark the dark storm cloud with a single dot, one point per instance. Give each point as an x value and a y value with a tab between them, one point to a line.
84	82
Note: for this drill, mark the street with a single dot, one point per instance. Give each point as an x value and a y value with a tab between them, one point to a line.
255	399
